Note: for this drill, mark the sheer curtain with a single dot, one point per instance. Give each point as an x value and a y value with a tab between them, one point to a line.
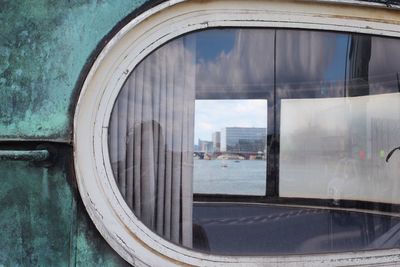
151	140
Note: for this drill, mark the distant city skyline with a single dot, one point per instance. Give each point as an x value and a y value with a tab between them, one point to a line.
213	115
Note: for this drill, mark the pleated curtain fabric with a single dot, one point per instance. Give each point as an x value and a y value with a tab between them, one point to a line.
151	136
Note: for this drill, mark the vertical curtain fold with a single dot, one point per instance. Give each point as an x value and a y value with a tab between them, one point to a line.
188	136
151	140
130	146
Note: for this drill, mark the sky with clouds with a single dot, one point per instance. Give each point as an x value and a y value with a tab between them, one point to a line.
213	115
226	61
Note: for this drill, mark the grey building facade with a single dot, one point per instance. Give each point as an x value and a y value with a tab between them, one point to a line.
243	139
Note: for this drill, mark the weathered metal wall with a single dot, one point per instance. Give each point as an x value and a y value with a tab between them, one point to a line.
42	219
44	46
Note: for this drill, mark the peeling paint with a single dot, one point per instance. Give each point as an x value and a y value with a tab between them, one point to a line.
44	45
91	249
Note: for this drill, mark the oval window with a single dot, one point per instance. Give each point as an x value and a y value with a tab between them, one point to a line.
206	135
263	141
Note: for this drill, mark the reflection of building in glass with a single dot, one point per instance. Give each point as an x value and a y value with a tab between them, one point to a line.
243	139
216	139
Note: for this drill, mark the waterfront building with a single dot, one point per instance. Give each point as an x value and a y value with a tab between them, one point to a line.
243	139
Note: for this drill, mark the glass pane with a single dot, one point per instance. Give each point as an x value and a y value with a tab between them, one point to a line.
310	64
235	64
262	141
335	148
373	64
234	88
251	229
230	149
151	140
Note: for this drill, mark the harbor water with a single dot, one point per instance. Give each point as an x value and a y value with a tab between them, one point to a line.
239	177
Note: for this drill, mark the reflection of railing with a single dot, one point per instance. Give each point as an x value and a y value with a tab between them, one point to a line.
250	220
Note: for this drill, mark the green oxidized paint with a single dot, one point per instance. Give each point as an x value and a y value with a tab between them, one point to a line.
44	45
25	155
35	225
42	220
91	249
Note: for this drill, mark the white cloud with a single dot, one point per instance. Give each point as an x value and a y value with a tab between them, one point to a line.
213	115
250	62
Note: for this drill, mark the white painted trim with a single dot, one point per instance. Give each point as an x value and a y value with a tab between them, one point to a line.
105	205
363	3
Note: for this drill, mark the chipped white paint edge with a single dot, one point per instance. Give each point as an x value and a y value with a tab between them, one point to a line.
361	3
105	205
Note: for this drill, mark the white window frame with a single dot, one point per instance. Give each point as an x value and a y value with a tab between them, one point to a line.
113	218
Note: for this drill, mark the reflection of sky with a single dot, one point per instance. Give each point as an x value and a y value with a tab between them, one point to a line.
238	60
309	56
211	43
335	70
213	115
241	59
